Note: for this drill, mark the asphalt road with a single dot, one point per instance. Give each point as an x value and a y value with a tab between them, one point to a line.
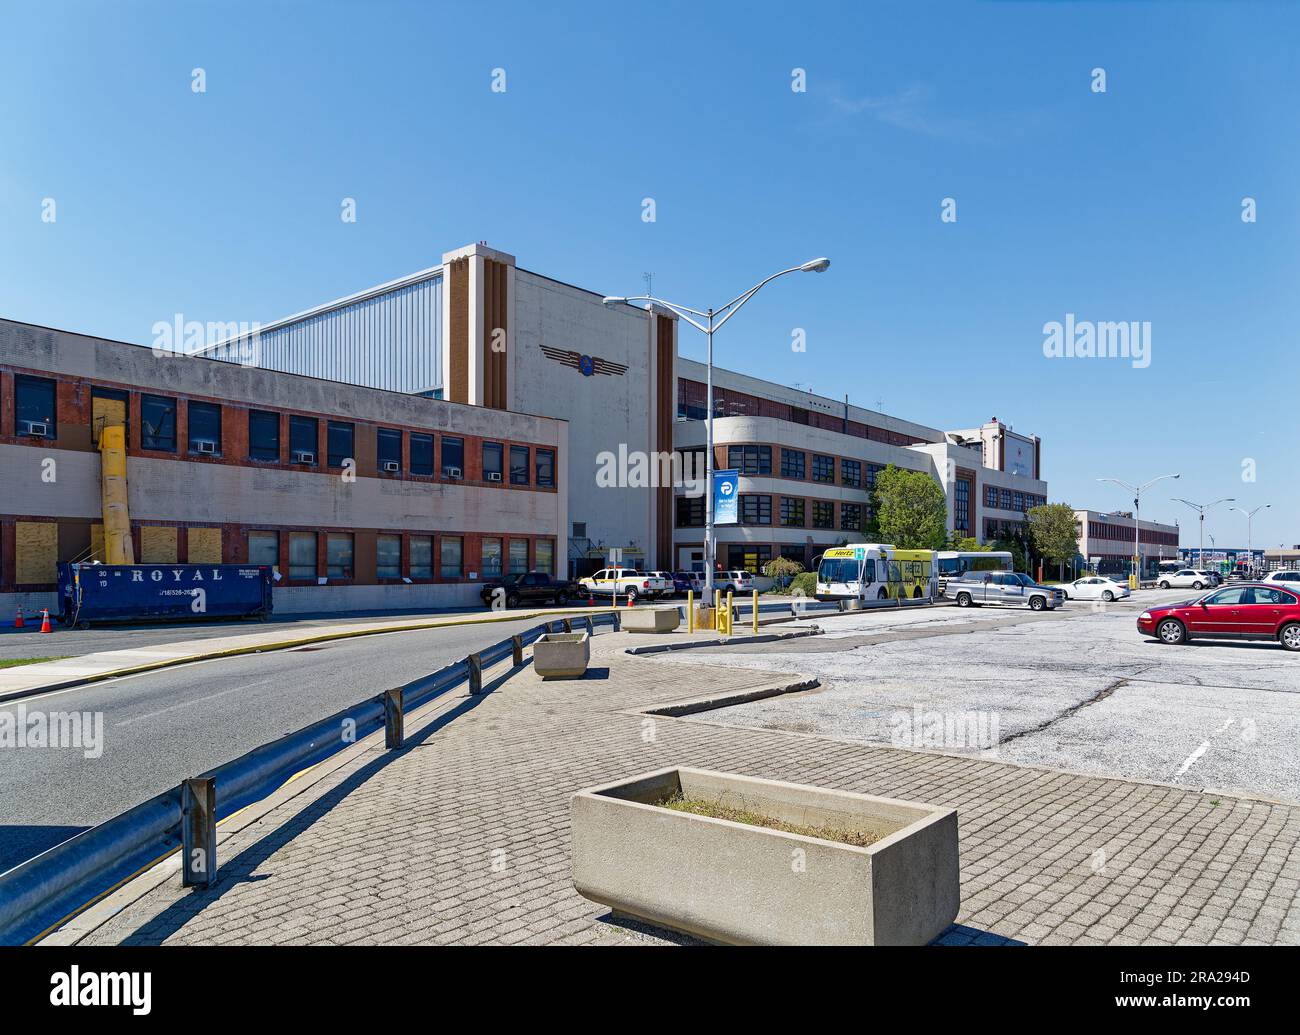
161	727
1079	689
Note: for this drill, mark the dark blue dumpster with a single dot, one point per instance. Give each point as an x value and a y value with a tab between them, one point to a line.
144	592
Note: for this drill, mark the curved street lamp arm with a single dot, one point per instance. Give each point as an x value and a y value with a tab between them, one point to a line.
680	310
733	307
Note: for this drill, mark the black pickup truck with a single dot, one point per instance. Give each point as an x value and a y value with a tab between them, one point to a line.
534	587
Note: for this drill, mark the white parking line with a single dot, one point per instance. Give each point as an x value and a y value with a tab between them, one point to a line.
1192	759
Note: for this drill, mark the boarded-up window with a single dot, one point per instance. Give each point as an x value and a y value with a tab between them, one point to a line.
107	409
157	544
36	552
204	545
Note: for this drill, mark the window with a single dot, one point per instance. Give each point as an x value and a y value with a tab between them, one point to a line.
421	454
338	555
755	510
451	556
492	461
990	496
824	469
690	511
544	460
792	463
823	514
961	505
750	460
388	557
1004	499
491	558
421	556
34	406
339	441
388	451
205	428
263	435
158	423
303	440
453	457
873	472
518	465
109	407
545	556
747	557
792	512
302	555
264	548
518	556
850	517
1019	501
579	530
851	473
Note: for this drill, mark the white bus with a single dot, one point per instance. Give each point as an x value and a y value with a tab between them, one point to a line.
953	564
875	571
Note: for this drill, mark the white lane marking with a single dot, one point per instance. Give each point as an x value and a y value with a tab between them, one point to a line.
1192	759
189	701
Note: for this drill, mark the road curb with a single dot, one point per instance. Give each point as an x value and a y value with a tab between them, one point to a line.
234	652
660	648
709	703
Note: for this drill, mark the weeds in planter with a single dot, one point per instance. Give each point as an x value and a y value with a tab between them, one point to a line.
716	810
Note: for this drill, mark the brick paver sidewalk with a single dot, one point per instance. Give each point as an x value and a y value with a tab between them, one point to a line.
462	836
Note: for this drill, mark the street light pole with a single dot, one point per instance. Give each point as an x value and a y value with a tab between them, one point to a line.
1201	508
1137	490
1250	517
713	320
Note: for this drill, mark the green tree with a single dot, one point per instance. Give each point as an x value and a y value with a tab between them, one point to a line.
782	569
1019	562
1053	532
911	510
967	544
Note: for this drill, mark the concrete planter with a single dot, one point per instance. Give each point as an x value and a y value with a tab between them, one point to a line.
652	620
743	884
562	655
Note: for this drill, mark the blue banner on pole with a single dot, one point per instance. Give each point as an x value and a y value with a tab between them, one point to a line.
726	485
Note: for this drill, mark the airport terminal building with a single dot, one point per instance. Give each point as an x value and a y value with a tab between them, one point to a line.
395	447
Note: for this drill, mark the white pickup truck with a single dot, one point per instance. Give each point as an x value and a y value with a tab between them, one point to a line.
619	582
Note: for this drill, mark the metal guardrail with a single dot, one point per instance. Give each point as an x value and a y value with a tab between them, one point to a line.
49	888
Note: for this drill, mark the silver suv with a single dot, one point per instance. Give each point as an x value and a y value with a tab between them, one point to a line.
1004	589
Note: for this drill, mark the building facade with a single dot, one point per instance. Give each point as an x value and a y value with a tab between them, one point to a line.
497	417
808	466
360	498
1106	542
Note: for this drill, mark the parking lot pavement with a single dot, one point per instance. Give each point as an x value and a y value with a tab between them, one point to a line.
1079	690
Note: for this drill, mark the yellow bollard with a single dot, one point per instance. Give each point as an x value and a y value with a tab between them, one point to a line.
729	612
690	610
755	612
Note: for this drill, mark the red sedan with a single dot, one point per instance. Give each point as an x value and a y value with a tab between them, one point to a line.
1243	611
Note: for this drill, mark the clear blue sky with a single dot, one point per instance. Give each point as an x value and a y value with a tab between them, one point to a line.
1117	206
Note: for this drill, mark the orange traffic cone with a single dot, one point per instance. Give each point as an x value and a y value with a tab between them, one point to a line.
45	621
18	620
629	600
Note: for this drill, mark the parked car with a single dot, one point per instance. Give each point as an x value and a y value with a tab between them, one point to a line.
733	581
1282	576
1095	587
1247	611
1003	589
664	583
683	581
619	582
1215	578
531	587
1184	578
